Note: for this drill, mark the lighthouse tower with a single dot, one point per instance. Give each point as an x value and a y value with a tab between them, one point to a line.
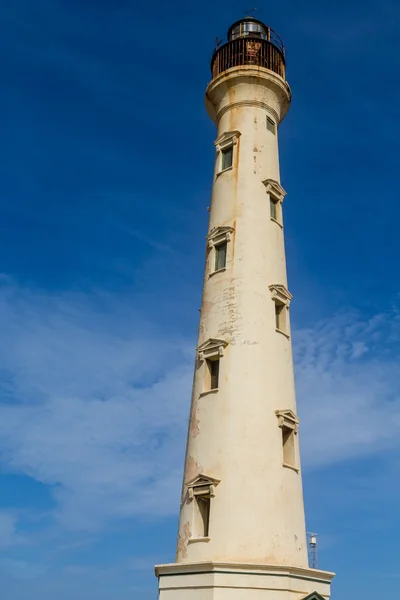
242	529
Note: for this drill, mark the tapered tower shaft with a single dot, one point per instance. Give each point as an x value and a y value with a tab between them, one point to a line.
242	498
236	434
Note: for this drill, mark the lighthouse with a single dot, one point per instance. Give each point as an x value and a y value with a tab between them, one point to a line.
242	533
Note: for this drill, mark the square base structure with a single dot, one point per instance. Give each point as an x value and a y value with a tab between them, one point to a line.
234	581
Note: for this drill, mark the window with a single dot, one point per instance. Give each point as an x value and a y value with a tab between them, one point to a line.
218	240
213	374
276	195
289	423
220	256
209	354
201	491
274	207
271	125
203	520
227	158
288	441
281	298
225	147
280	316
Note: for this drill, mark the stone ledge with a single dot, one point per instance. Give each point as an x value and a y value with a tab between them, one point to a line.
212	567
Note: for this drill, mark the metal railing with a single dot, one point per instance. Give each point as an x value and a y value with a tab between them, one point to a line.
248	51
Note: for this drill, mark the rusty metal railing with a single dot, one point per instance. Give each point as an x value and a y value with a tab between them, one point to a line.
248	51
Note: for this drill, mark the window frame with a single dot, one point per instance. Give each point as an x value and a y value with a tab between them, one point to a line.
218	236
276	195
288	447
211	350
201	491
204	510
226	152
271	125
289	424
226	142
281	298
275	212
213	365
218	266
280	316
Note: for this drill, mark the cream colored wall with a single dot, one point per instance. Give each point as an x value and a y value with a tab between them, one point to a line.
257	515
240	582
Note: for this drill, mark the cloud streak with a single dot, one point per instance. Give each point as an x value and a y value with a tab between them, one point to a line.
95	403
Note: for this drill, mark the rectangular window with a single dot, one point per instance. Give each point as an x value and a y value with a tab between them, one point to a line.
271	125
280	316
227	158
203	505
288	442
273	208
213	374
220	256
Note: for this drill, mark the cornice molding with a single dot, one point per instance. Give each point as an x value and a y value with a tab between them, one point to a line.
229	138
202	485
211	349
275	189
218	235
288	419
281	294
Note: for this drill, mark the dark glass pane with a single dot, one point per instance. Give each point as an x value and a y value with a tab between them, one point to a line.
227	158
278	317
204	509
270	125
274	207
220	256
214	371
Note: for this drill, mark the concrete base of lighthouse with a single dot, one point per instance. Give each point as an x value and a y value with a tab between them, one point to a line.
234	581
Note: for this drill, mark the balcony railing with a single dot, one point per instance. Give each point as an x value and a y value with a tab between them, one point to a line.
248	51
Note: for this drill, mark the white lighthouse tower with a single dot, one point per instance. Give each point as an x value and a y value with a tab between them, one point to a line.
242	532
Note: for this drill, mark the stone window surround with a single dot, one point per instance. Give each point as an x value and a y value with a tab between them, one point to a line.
276	194
212	349
280	295
216	237
271	125
227	139
288	420
202	486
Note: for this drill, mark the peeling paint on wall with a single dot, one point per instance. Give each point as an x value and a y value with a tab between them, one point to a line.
184	536
194	421
192	468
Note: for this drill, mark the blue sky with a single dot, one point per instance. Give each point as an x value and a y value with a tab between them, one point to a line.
105	173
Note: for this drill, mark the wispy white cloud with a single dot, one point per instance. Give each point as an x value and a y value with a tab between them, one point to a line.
348	388
9	535
21	569
95	403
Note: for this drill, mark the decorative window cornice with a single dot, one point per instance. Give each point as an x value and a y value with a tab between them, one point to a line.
313	596
287	419
202	485
211	349
280	294
274	189
219	235
229	138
